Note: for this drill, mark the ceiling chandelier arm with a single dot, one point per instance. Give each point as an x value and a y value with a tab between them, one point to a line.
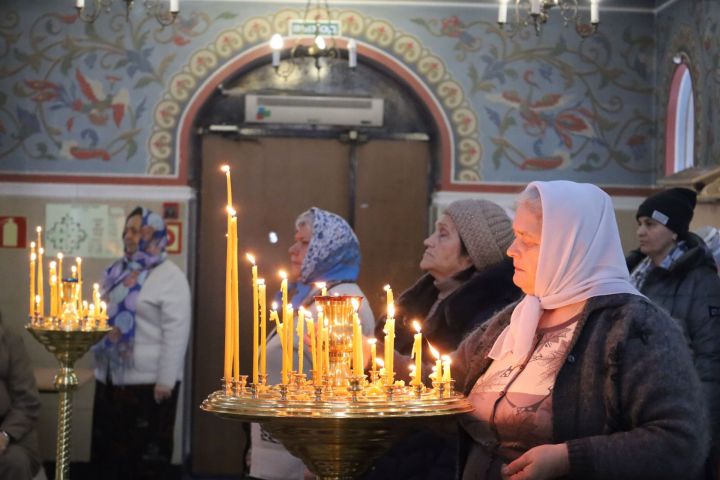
164	15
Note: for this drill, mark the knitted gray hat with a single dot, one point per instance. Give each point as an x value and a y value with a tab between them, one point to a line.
484	228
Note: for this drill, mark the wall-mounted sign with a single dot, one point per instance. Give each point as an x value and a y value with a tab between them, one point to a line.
13	232
307	28
174	233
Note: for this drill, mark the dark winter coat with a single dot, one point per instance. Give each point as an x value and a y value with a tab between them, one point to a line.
626	399
690	292
427	454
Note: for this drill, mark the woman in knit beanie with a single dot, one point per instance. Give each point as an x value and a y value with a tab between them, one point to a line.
674	268
468	278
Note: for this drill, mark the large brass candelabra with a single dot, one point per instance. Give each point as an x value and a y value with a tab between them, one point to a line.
67	346
339	422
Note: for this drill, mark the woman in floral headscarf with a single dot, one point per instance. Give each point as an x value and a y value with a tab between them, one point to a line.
139	364
325	250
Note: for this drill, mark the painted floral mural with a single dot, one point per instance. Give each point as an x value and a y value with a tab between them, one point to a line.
102	99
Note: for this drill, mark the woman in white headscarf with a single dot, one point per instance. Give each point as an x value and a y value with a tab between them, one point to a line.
584	377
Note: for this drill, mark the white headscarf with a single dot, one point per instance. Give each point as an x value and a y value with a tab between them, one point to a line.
580	257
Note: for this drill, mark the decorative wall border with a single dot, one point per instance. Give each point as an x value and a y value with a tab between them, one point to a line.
404	54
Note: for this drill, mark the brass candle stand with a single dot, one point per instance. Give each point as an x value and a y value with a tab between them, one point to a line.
67	346
338	423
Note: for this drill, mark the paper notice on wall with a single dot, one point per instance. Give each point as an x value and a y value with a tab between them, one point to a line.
88	231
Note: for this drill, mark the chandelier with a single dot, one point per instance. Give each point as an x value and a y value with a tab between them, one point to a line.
165	15
537	14
312	36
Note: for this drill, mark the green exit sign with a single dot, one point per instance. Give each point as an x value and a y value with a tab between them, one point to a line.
303	28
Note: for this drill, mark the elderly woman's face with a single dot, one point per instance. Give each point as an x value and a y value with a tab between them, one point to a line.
442	258
299	249
132	233
525	249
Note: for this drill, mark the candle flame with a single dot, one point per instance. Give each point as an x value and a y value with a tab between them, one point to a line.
33	256
320	285
386	287
53	264
391	311
274	306
38	229
53	278
230	210
380	362
96	286
261	281
73	269
355	304
446	359
435	353
60	255
412	368
416	326
78	259
103	305
41	250
319	308
32	244
301	311
250	257
372	341
282	274
37	297
225	168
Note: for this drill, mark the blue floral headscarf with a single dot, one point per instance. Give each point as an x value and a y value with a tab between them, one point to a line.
333	255
121	287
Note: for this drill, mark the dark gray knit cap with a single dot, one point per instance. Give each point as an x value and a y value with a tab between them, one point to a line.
484	228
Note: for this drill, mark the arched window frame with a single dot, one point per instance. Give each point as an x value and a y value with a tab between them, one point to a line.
680	122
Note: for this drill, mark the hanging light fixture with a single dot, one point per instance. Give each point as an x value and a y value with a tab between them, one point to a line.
312	36
537	14
165	15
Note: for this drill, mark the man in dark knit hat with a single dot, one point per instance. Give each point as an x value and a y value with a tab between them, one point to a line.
468	278
674	268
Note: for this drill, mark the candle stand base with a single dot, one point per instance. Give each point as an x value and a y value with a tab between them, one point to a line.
68	347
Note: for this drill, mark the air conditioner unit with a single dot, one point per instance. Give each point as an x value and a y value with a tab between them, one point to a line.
349	111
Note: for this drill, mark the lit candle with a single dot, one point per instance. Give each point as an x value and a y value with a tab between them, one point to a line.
255	317
502	12
276	44
78	262
175	6
358	364
103	315
301	336
326	341
263	327
289	331
40	281
321	354
283	290
281	336
228	185
84	308
594	12
37	303
96	298
446	368
438	364
53	290
33	259
91	314
235	309
389	330
373	352
322	286
417	354
313	345
79	3
390	301
61	294
227	371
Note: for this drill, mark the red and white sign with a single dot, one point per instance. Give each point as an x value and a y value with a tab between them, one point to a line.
13	232
174	233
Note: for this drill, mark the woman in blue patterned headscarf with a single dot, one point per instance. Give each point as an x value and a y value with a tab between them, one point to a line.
145	239
325	250
139	365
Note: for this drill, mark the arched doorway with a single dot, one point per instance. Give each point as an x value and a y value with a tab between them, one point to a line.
379	179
